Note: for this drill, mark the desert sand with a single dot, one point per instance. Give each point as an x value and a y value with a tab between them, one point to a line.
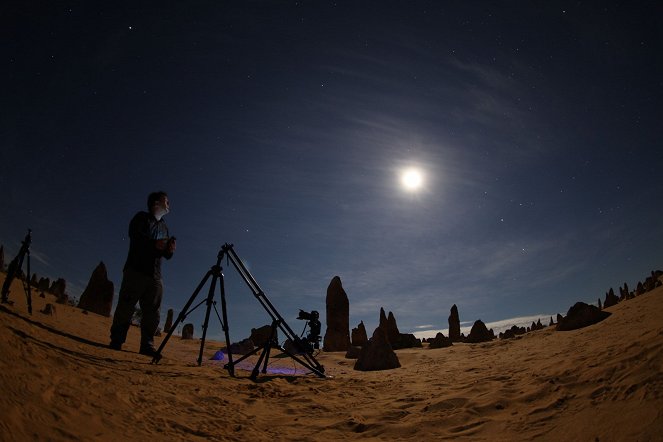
605	382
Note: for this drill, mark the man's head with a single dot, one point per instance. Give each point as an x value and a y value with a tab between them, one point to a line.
158	204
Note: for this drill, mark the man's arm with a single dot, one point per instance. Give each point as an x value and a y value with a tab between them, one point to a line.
167	247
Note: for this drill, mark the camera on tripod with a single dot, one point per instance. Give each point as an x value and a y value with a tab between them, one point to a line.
312	340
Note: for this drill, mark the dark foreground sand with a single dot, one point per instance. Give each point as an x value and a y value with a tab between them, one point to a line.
605	382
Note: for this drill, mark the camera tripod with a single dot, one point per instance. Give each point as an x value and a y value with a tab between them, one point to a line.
305	358
14	270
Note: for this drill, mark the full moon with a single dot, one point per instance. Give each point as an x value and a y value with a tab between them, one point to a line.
412	179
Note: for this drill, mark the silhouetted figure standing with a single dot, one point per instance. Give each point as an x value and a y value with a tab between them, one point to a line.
141	281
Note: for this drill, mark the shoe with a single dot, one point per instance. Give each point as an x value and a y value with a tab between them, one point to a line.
148	351
115	346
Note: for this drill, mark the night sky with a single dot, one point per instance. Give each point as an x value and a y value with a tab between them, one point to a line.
284	128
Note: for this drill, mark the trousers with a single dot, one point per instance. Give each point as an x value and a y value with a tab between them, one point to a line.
147	292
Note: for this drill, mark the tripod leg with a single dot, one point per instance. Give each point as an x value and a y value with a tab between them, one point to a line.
12	272
263	356
28	292
224	312
180	317
210	301
268	347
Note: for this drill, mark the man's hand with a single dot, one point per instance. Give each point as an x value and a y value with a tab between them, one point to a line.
171	245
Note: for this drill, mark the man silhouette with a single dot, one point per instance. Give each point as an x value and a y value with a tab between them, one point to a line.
149	241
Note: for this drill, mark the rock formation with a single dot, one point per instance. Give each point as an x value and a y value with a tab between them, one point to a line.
383	319
610	299
454	325
353	352
559	318
394	336
59	288
49	309
242	347
515	331
537	326
2	258
406	340
337	336
651	282
359	336
600	306
439	341
377	354
260	336
44	284
169	321
98	295
187	331
582	315
392	329
479	333
623	293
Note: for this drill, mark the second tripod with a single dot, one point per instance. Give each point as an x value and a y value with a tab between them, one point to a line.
14	270
302	353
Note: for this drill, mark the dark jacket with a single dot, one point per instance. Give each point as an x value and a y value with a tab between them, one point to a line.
144	257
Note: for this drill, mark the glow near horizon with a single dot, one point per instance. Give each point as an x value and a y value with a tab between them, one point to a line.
497	326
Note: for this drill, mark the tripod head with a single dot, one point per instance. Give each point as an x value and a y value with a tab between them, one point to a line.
27	241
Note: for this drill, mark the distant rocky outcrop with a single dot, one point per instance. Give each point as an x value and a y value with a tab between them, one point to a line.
559	318
98	295
359	336
49	309
377	354
623	293
59	289
397	339
551	323
581	315
260	336
337	336
514	331
169	321
44	284
610	299
406	340
439	341
454	325
187	331
537	325
33	280
652	280
479	333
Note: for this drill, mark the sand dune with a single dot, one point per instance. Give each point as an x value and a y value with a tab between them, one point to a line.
604	382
